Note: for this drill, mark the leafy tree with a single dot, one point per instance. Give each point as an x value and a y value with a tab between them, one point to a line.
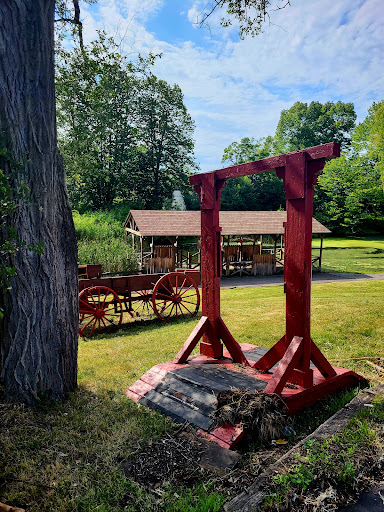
258	192
38	348
304	125
95	89
350	197
250	15
369	136
125	135
164	138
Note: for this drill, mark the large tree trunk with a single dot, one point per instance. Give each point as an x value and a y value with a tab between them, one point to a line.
39	334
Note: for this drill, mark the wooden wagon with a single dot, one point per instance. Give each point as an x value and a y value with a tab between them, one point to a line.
104	300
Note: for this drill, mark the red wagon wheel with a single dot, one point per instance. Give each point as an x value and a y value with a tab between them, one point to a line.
99	307
175	295
141	303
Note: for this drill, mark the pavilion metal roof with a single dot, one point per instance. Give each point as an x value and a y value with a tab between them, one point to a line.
187	223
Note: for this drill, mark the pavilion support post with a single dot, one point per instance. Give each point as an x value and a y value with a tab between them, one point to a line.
321	250
141	253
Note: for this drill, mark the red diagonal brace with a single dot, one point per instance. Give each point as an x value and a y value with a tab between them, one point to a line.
287	364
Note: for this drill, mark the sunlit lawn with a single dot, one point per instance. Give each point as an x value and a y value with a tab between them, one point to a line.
65	457
347	321
365	254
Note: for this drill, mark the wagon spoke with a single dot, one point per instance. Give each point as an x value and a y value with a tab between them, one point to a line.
85	326
181	311
186	296
170	313
187	289
182	286
166	307
164	295
92	299
189	302
185	307
93	326
171	285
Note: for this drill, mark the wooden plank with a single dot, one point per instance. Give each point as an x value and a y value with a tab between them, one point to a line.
216	458
217	377
272	356
327	151
189	393
140	388
320	361
287	363
209	437
230	434
175	409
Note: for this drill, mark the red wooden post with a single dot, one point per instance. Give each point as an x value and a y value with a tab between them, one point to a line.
298	184
211	263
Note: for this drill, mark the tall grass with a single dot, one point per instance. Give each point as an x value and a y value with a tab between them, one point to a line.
101	239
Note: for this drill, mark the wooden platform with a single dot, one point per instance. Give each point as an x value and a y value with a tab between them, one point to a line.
187	392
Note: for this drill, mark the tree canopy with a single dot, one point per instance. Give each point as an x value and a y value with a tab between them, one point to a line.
124	134
305	125
350	196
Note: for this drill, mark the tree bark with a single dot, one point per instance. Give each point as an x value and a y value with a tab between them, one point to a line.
38	343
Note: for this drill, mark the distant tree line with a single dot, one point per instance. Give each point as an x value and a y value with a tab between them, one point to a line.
349	198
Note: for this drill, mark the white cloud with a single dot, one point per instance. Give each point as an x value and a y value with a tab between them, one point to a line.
313	50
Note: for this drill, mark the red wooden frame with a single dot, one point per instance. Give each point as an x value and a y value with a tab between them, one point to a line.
295	350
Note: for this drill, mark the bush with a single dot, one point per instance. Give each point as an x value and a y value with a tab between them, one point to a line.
101	239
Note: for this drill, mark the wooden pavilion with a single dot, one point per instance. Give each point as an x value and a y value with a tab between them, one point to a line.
242	235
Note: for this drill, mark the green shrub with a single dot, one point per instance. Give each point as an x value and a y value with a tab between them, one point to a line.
101	239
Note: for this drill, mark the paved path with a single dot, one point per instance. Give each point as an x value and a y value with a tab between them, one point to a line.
278	280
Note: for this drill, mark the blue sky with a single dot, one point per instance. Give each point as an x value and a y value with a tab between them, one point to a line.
324	50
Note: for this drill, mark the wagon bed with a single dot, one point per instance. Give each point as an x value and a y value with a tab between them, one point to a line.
103	300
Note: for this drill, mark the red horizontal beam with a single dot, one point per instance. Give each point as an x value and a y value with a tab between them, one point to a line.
327	151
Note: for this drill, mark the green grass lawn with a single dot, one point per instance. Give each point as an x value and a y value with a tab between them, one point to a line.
365	254
64	457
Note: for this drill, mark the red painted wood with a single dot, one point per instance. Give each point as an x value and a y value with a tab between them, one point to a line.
209	437
229	434
211	264
140	388
192	340
199	359
272	357
152	377
287	363
133	396
327	151
233	347
295	349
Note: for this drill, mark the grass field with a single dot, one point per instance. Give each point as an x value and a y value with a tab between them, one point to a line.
65	457
365	254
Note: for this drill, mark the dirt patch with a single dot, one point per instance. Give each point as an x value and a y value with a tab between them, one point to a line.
179	458
172	458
